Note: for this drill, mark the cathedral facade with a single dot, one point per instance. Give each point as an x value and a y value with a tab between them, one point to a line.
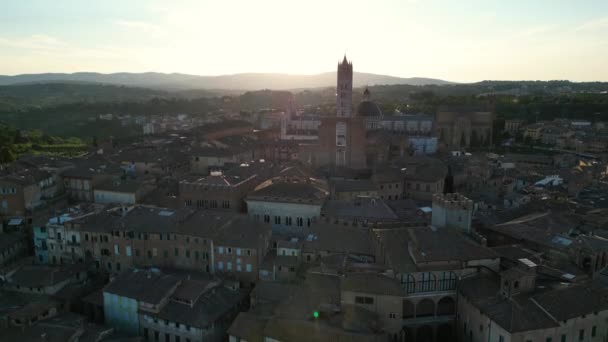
342	136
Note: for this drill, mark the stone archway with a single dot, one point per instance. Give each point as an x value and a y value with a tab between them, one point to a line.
425	308
446	306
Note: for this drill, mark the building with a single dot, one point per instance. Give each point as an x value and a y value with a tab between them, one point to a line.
452	211
79	181
13	247
143	236
513	126
426	264
507	308
423	177
123	190
344	86
25	190
463	126
42	279
289	205
135	291
341	137
171	307
350	189
218	191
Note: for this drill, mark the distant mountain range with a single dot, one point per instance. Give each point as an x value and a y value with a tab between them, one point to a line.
245	81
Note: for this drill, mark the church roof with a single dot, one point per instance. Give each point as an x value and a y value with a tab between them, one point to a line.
368	108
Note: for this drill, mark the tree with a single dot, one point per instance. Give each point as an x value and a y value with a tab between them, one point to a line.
6	155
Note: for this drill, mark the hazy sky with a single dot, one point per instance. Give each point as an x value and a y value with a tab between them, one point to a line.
464	40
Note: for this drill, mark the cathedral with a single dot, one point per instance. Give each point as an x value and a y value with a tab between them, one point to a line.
342	137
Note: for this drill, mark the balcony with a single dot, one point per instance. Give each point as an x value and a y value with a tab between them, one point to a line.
428	320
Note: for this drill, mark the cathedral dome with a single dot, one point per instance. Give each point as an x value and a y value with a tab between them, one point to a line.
368	107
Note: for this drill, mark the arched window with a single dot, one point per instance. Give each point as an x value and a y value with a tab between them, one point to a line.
427	282
447	281
409	283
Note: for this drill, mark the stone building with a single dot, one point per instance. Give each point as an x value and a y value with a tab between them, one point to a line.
452	211
341	137
418	300
509	307
217	191
463	126
289	205
207	241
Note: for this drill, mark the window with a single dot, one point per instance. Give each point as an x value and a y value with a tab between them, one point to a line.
156	333
392	315
287	220
176	251
581	334
86	237
267	218
226	204
549	339
166	253
149	254
229	250
220	265
300	221
220	250
501	338
128	250
196	255
593	331
364	300
277	220
563	338
187	253
248	267
238	268
229	266
249	252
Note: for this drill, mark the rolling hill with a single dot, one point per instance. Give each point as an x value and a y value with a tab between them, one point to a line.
245	81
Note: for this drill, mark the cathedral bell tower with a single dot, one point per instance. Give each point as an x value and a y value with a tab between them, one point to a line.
344	89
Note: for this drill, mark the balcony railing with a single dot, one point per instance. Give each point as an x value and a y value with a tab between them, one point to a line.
428	319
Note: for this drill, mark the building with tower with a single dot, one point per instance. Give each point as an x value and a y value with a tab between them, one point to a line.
344	89
342	137
452	211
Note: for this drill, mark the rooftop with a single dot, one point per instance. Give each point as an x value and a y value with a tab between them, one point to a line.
290	191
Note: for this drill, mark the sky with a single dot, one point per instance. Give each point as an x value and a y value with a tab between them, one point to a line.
462	41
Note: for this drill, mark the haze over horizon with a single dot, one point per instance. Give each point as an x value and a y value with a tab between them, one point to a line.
454	41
